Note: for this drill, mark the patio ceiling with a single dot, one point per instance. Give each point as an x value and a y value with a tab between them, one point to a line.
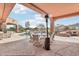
5	9
57	10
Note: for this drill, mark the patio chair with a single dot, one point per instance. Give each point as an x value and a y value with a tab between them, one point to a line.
36	41
52	36
35	38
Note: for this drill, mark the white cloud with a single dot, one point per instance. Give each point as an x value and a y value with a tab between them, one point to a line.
38	19
35	22
20	9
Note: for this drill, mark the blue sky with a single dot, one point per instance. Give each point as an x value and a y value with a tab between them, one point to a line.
68	21
23	14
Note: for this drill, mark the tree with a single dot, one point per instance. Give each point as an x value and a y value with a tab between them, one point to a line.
36	29
66	27
11	29
21	28
41	28
63	28
72	27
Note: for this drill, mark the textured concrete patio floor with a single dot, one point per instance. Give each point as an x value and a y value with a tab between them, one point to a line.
23	47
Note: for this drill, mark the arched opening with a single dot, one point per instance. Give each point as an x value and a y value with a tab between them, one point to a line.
11	27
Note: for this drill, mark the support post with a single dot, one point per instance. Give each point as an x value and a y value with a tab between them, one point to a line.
17	28
47	39
1	25
51	25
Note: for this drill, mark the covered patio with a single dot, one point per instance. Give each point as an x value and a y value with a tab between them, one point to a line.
49	11
54	11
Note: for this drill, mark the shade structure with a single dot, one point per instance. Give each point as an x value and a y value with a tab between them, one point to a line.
57	10
5	9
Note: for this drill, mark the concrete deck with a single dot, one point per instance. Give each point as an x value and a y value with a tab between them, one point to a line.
61	46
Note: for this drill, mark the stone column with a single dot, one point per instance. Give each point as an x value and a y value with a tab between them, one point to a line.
3	27
0	26
52	25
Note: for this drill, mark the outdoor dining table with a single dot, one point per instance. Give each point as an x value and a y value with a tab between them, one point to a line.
36	39
40	35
